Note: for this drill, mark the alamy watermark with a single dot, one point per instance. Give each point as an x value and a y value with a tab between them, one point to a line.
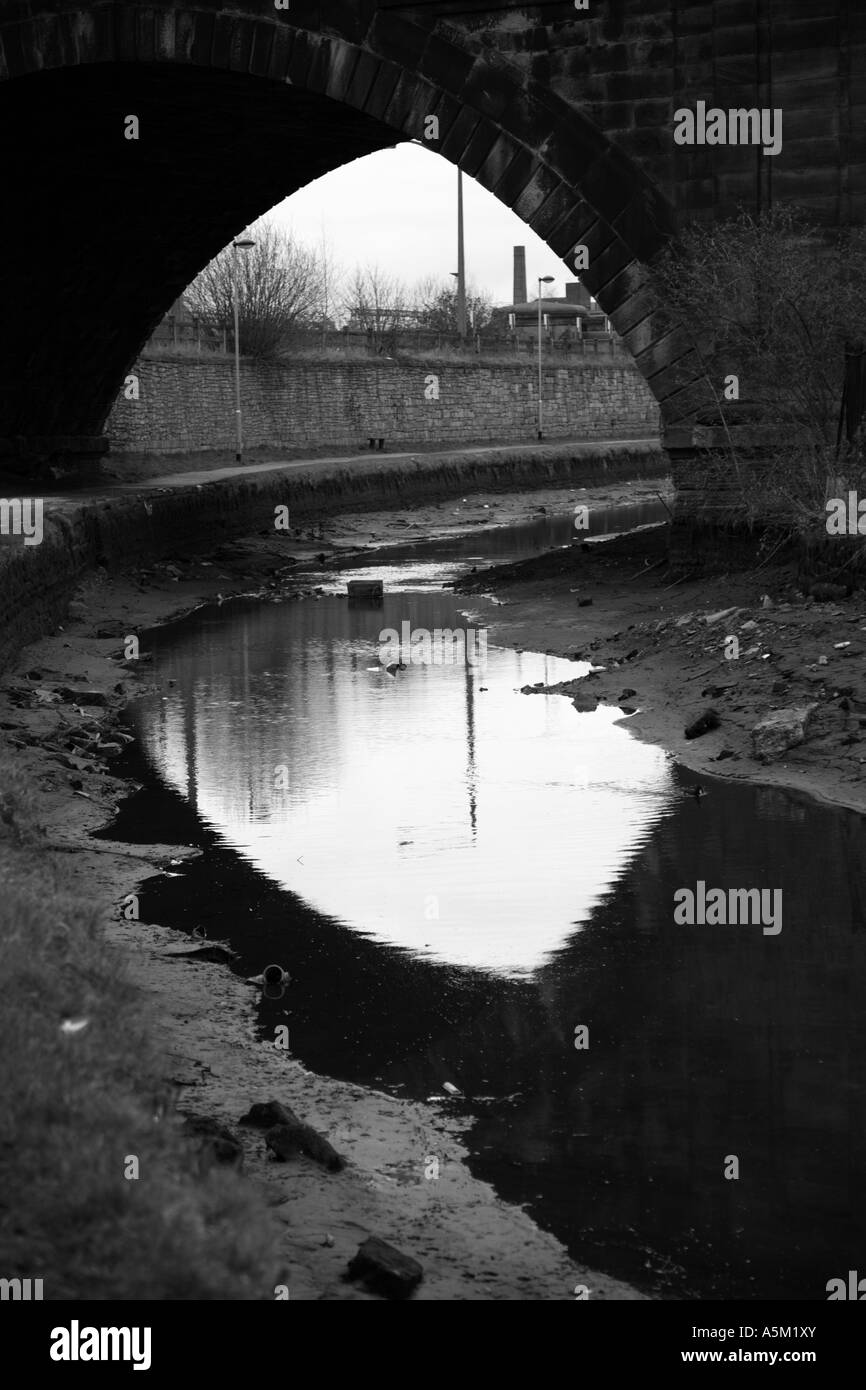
22	517
441	647
77	1343
738	126
854	1290
720	907
20	1290
846	518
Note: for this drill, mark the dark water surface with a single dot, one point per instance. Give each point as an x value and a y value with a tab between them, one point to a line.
441	559
458	877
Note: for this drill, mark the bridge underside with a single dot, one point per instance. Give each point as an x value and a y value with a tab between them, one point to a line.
110	231
236	112
563	115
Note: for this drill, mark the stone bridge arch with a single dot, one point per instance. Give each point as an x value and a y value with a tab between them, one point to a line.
238	106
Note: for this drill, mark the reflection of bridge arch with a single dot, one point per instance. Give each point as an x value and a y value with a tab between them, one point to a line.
237	109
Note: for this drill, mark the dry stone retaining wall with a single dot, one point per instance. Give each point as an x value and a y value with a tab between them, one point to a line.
188	405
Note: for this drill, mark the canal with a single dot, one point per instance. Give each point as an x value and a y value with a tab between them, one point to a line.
475	886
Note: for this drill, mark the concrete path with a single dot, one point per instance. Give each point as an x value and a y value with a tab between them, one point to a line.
212	475
366	460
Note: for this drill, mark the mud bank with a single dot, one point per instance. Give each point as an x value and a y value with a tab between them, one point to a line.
472	1245
663	645
186	512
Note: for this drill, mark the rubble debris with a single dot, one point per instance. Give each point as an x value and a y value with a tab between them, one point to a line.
780	730
703	724
384	1269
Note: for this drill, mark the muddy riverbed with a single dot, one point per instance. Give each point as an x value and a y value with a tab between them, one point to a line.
526	1199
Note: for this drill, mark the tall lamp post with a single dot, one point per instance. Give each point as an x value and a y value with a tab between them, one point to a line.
461	262
542	280
241	244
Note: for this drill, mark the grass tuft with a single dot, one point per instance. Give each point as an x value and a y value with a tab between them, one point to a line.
75	1106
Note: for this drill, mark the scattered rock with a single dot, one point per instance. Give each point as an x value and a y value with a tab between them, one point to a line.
584	702
266	1114
43	696
220	955
285	1141
287	1135
584	603
711	618
780	730
825	593
81	697
385	1270
713	692
750	626
215	1143
702	725
76	764
626	693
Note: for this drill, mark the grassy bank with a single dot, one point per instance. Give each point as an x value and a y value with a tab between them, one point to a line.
79	1105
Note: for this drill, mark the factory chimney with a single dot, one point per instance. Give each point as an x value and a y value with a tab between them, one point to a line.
520	296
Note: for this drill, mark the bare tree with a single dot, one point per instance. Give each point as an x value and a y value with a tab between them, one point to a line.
436	304
377	303
281	288
774	302
332	283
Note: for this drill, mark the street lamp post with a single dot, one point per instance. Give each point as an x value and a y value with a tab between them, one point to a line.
241	244
542	280
461	262
460	273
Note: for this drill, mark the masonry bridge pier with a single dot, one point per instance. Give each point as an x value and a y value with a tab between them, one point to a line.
566	115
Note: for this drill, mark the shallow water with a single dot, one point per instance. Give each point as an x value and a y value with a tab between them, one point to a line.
460	875
434	562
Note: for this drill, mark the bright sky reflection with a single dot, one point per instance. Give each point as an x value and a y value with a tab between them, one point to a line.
477	828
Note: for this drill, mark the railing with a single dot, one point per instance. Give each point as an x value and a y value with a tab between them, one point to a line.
195	337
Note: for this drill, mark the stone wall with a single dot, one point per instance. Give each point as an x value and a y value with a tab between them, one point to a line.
187	405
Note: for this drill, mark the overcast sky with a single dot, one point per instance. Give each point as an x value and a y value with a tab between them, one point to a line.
398	209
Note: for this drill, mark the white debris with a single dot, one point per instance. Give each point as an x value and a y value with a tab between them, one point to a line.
73	1025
